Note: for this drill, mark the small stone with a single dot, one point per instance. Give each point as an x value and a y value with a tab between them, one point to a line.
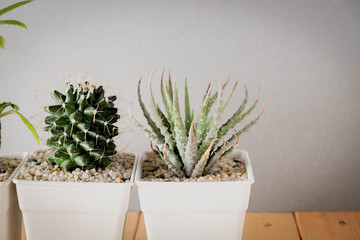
156	170
44	171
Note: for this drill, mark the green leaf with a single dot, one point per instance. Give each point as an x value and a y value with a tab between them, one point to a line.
187	110
167	103
235	137
29	125
13	22
199	168
214	97
201	120
179	129
2	42
214	127
230	95
231	122
191	152
214	157
170	89
160	121
11	7
146	114
3	106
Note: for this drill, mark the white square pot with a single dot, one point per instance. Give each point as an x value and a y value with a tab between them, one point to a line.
73	211
10	215
194	210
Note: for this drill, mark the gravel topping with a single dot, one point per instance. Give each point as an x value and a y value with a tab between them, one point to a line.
7	167
38	168
225	170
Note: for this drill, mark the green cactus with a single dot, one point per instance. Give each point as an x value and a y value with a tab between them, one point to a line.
82	127
189	148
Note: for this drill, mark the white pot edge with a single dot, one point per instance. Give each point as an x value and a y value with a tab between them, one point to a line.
141	157
17	181
22	155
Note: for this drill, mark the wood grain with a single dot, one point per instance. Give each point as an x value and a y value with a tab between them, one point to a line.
131	224
23	235
328	225
263	226
141	230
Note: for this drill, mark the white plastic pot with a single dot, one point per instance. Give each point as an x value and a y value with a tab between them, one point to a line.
194	210
10	215
69	211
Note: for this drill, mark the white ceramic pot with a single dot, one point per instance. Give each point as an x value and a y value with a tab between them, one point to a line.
73	211
10	215
194	210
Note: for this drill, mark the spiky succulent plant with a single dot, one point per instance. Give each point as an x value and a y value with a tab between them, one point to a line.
191	148
82	127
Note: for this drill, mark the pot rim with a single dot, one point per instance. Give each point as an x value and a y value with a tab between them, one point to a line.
16	180
22	155
140	159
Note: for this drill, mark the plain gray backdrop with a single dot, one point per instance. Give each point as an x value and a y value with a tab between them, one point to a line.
305	56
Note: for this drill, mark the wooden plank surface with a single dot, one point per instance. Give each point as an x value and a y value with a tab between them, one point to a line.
23	235
131	225
328	225
263	226
141	230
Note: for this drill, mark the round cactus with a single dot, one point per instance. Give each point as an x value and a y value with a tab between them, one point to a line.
82	127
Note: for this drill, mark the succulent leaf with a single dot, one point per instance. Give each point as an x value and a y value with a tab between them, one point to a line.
201	120
231	122
191	148
213	131
191	152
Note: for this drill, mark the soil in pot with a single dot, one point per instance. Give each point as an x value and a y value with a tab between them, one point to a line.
38	168
7	167
224	170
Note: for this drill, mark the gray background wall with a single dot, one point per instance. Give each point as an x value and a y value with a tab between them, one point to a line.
305	55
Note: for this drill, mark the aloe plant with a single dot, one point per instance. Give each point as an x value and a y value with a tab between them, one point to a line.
11	22
82	127
15	110
191	148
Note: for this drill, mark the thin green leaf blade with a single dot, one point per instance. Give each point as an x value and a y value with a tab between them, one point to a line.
13	6
13	22
179	129
191	152
199	168
232	121
2	42
235	137
230	95
201	120
29	125
159	118
187	110
146	114
214	127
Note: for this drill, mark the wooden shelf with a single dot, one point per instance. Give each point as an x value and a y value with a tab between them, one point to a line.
328	225
279	226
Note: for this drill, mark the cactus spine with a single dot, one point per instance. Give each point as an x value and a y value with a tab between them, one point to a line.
189	148
82	127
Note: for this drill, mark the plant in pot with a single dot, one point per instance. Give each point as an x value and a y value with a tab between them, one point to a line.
194	185
10	163
80	187
11	22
